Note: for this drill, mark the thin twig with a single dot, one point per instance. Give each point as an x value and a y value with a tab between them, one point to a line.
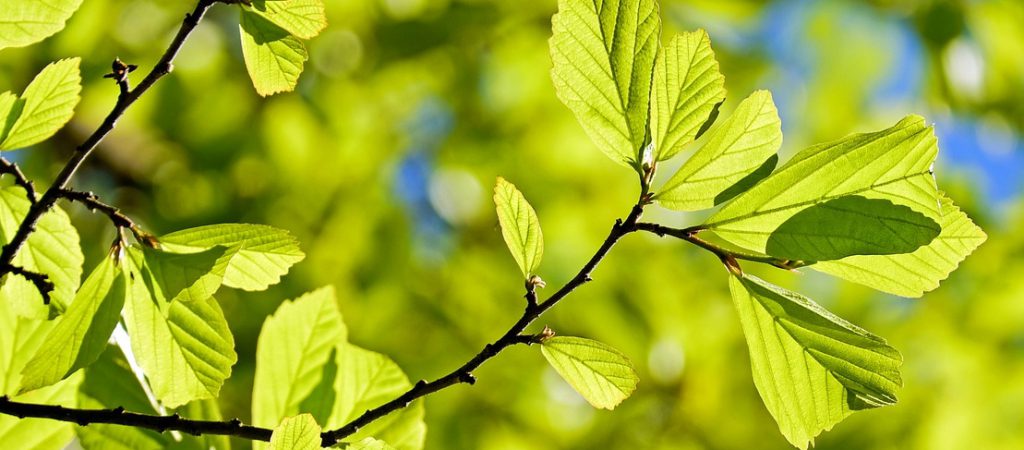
9	168
118	416
513	336
119	219
726	255
124	100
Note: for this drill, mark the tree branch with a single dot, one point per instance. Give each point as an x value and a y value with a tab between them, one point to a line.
119	219
727	256
118	416
125	99
9	168
511	337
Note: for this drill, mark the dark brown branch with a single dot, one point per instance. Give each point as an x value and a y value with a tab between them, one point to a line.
727	256
513	336
40	280
124	100
9	168
118	416
119	219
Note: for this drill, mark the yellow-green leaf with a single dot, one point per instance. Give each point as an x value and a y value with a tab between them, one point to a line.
296	433
302	18
519	227
46	105
273	57
601	374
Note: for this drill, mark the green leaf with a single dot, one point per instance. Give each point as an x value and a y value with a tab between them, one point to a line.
20	337
273	57
811	367
291	353
25	22
46	105
603	55
519	227
893	164
370	444
686	87
185	348
109	383
913	274
735	148
303	18
366	380
41	434
601	374
52	250
187	277
265	254
851	225
82	332
296	433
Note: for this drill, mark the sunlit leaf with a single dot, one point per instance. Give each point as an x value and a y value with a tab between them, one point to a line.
273	57
82	331
519	227
366	380
185	348
20	338
370	444
811	367
735	148
603	54
187	276
296	433
686	88
52	249
913	274
302	18
601	374
293	347
265	253
46	105
25	22
893	164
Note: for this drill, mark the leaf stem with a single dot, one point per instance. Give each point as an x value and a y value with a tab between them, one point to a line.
727	256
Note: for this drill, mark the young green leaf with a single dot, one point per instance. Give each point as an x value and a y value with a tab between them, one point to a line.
41	434
601	374
893	164
273	57
296	433
26	22
46	105
603	54
293	347
82	332
20	338
265	255
366	380
913	274
52	250
734	149
370	444
811	367
185	348
187	276
686	87
302	18
519	227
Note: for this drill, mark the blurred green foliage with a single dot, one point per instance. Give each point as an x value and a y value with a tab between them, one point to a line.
382	163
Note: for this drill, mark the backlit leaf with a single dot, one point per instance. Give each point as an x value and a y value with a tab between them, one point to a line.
519	227
601	374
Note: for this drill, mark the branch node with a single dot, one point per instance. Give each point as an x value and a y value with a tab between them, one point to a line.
119	410
468	378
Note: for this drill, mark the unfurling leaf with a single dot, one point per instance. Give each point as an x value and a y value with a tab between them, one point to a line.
811	367
603	54
25	22
913	274
273	57
519	227
82	332
601	374
265	253
296	433
892	165
687	86
734	149
46	105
